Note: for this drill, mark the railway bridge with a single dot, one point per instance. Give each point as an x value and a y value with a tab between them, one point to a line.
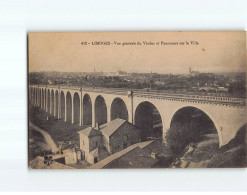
89	106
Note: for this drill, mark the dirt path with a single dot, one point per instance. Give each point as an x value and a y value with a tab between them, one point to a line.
49	141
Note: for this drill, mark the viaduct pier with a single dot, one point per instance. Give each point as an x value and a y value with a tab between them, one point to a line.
88	106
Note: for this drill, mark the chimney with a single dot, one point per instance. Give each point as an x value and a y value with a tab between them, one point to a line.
97	126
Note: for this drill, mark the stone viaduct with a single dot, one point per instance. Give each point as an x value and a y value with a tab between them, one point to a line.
86	106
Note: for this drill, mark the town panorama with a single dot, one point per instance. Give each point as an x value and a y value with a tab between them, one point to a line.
126	119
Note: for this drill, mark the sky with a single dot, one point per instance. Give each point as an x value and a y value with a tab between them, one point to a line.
219	51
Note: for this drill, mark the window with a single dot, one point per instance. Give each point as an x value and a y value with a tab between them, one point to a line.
125	145
125	141
125	138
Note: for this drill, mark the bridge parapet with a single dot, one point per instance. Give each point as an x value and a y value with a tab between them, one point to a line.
208	99
236	102
227	113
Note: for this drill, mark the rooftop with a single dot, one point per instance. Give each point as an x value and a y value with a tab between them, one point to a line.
89	132
99	151
101	164
109	128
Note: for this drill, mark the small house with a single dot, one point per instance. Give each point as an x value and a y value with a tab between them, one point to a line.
100	142
119	134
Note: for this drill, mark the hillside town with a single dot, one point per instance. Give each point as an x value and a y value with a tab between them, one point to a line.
226	84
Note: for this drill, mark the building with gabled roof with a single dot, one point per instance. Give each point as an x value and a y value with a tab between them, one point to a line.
90	139
109	128
119	134
98	143
90	132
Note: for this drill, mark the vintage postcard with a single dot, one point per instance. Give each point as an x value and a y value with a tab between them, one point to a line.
104	100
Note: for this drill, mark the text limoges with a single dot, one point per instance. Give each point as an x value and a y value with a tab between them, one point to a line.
96	43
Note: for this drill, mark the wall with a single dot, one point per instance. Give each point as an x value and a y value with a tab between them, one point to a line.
85	146
93	140
90	143
116	139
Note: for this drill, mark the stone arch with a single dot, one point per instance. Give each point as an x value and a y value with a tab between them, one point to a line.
100	110
240	136
39	90
189	124
87	110
36	96
68	107
31	95
119	109
62	104
42	99
48	101
148	118
45	100
56	103
76	105
52	101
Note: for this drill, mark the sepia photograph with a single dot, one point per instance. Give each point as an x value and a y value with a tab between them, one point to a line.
122	100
